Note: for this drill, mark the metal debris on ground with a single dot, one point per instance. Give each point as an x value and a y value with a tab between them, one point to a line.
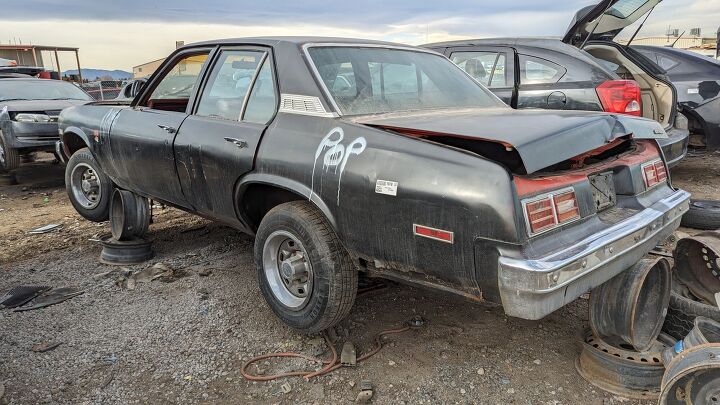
329	365
46	229
616	367
693	377
633	304
698	265
285	388
45	347
348	355
704	331
52	297
417	321
366	392
21	295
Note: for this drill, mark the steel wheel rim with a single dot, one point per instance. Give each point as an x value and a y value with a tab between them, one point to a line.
86	186
288	270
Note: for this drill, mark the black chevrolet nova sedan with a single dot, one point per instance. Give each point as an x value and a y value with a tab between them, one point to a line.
342	156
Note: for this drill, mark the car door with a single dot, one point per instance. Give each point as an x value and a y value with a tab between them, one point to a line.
492	66
217	143
538	83
141	137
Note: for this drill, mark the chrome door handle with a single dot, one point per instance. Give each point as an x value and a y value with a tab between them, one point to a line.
237	142
170	130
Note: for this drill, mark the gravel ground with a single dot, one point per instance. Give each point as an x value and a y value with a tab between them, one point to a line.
183	339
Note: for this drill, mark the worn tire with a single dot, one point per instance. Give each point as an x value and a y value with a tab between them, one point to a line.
682	313
11	158
335	277
703	214
101	212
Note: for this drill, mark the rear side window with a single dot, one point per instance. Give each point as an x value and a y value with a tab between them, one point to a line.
236	77
263	99
487	68
539	71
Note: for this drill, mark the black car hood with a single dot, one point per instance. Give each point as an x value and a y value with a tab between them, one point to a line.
39	105
542	138
605	19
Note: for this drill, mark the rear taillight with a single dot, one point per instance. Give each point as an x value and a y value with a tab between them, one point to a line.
547	211
654	173
620	96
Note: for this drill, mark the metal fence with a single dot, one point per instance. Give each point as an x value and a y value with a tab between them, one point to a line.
103	89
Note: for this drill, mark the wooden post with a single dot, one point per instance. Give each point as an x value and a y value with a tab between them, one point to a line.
77	58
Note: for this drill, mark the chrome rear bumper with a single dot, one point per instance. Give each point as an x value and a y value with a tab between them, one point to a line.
533	288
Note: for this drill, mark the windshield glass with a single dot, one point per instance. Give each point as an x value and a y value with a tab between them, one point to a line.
379	80
40	89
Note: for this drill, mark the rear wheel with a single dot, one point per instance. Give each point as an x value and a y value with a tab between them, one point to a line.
9	157
88	188
305	273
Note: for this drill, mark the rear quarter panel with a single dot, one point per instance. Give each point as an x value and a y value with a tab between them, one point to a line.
437	186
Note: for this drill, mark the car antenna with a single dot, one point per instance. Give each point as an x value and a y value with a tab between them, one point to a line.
677	39
640	27
596	25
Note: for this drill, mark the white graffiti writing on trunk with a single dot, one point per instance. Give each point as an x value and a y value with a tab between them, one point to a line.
336	155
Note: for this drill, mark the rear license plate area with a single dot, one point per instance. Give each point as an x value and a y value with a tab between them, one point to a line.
603	190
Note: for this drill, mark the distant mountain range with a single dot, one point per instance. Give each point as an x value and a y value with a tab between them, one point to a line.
92	74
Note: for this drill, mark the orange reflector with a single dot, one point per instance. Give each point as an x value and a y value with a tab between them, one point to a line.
433	233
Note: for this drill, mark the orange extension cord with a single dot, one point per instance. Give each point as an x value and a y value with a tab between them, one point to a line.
330	365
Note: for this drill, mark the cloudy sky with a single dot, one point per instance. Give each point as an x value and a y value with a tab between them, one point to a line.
121	34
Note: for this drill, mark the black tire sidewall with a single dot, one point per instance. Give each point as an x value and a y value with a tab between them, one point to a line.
325	267
12	157
703	218
101	212
682	312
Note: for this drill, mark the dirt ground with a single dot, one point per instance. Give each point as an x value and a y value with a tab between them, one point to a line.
183	339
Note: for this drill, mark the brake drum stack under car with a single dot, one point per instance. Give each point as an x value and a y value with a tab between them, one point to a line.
129	220
624	351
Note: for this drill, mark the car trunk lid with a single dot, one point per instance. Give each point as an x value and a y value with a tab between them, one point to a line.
525	141
606	19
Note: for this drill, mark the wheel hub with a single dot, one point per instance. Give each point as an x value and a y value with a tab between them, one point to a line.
85	185
2	153
294	267
287	269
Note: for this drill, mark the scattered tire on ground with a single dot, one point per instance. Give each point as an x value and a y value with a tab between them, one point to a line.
682	312
703	214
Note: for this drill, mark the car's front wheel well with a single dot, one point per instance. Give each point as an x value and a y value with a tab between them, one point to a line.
73	143
258	199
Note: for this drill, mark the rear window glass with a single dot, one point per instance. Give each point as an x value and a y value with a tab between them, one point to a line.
625	8
365	80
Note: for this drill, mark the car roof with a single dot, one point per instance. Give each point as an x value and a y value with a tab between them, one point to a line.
297	40
547	43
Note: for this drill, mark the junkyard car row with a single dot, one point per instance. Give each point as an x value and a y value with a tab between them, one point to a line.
519	172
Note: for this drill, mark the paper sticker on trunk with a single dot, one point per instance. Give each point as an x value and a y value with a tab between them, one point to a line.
386	187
